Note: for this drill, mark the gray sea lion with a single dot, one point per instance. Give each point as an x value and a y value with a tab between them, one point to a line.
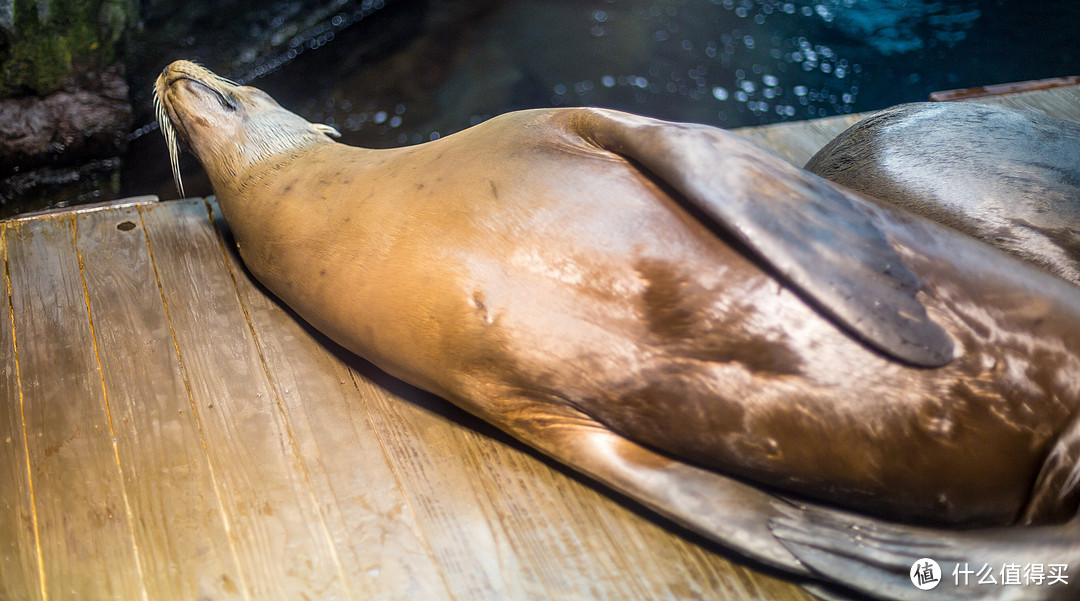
665	307
1008	177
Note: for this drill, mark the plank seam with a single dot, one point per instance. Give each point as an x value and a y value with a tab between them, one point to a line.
280	409
195	414
108	410
22	417
404	493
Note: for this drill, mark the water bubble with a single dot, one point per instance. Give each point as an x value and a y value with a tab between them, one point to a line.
770	80
720	93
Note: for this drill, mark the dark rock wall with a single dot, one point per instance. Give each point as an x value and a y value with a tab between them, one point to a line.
64	105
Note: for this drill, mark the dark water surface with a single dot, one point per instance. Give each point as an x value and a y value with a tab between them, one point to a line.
412	70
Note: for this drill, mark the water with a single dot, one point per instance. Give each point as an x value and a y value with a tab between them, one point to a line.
416	70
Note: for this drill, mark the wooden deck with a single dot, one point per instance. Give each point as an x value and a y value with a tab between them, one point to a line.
170	432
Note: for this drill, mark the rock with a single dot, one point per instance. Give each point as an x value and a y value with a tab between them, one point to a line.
58	149
83	121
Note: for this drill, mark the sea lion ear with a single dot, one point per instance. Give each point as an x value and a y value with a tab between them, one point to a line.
326	129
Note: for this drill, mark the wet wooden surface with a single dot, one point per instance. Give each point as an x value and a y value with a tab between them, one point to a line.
170	432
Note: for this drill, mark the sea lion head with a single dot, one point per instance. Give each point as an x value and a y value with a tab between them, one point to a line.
227	126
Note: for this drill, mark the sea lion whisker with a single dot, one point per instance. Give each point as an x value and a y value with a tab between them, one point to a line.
171	142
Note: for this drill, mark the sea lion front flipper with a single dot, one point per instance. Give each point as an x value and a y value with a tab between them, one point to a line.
876	558
815	235
725	510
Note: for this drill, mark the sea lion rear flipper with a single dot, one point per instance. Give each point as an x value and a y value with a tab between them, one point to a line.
813	234
720	508
876	558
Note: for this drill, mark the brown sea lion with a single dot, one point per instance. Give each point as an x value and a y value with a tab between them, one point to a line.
665	306
1010	178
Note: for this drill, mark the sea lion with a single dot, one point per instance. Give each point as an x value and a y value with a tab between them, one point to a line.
665	307
1010	178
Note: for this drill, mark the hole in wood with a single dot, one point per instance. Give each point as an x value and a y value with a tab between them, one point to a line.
125	226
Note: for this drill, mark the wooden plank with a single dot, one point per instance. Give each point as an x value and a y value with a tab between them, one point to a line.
1004	89
278	532
797	141
19	577
364	509
1062	102
79	499
507	524
179	531
86	208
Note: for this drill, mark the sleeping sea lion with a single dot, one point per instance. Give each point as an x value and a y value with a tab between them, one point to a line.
1010	178
665	308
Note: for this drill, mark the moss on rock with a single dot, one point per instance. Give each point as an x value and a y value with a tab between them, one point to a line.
49	39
